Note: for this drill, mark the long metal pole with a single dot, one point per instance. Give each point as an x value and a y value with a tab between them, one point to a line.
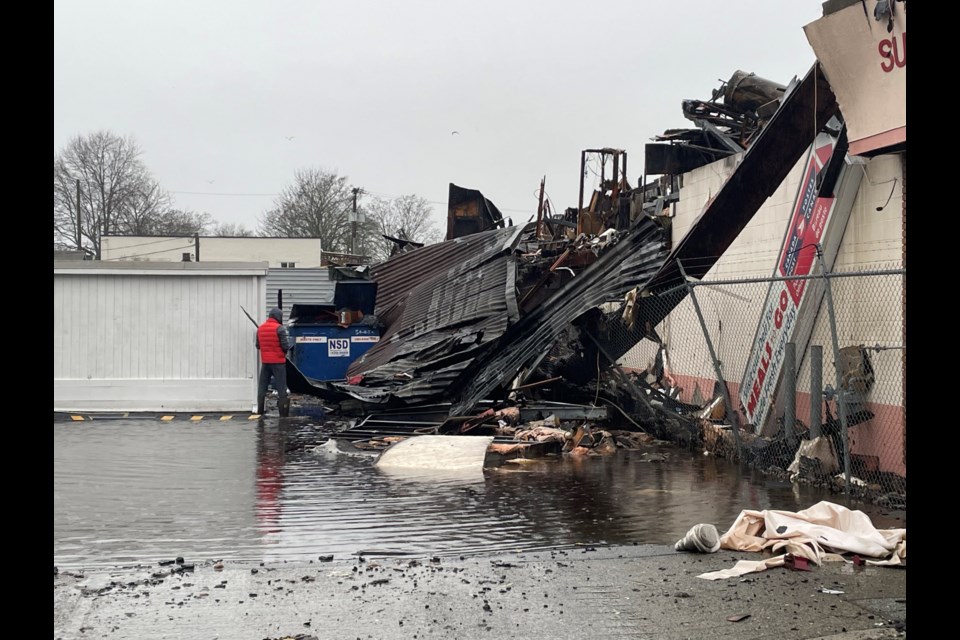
816	389
790	395
583	168
353	224
79	238
731	414
852	274
543	183
841	404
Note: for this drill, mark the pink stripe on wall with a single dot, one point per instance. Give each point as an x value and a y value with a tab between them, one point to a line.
878	141
881	437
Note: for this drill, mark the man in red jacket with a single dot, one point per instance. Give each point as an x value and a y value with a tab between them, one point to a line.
273	342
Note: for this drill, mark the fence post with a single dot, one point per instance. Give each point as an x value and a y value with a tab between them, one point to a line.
790	381
816	389
731	414
841	404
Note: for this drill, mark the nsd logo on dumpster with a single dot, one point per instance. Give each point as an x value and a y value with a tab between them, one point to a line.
338	347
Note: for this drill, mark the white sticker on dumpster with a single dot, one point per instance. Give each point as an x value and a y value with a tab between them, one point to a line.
338	347
365	339
309	339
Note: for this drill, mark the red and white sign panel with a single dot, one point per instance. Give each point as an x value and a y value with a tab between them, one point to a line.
784	298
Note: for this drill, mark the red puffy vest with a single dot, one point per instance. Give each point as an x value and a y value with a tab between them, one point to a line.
270	351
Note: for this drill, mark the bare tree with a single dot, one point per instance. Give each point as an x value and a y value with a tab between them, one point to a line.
116	195
407	217
316	205
231	230
181	223
145	212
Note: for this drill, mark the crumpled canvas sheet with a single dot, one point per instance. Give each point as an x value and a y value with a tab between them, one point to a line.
817	533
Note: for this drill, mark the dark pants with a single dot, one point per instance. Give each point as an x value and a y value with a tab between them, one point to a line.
279	374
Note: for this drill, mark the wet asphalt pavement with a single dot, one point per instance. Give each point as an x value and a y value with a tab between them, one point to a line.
539	550
646	591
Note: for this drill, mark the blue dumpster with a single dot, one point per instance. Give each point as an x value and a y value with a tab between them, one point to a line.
325	351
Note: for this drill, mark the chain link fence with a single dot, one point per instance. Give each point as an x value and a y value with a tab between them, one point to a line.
813	366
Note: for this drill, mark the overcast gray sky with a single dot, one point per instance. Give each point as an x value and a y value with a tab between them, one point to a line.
213	89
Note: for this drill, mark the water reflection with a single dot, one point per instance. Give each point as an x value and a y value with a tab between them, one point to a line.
130	491
270	460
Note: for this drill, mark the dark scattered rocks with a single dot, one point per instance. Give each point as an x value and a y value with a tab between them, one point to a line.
328	558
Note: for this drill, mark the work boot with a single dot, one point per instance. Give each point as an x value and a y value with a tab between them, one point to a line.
261	410
284	407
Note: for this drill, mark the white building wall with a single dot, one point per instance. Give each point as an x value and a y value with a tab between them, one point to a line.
168	337
874	239
752	254
868	309
865	313
305	252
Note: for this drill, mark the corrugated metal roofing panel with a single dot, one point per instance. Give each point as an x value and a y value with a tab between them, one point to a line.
637	256
442	305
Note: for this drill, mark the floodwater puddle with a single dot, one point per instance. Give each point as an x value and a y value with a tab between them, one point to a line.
129	491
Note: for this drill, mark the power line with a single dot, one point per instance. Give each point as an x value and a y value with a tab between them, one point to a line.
220	193
150	253
373	193
170	238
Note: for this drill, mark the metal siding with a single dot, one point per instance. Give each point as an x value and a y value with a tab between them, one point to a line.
150	342
299	286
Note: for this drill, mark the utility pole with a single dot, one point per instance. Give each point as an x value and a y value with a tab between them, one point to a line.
196	246
78	215
353	223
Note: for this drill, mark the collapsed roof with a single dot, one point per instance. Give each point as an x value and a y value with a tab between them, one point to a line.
467	318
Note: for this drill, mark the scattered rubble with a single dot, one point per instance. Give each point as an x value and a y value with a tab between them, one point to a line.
481	330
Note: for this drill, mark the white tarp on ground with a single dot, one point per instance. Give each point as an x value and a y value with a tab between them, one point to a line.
816	533
440	453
